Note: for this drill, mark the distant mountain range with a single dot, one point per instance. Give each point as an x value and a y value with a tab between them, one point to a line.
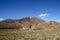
28	23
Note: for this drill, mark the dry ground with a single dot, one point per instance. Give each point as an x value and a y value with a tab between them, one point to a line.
13	34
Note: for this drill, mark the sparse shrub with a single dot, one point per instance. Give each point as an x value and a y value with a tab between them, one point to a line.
26	38
38	29
58	38
2	39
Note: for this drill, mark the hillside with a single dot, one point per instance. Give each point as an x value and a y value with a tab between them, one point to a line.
29	28
24	23
28	23
50	24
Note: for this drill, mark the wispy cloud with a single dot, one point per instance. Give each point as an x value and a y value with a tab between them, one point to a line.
43	15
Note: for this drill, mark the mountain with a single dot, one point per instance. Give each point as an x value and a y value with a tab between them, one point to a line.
24	23
31	20
28	23
50	24
8	21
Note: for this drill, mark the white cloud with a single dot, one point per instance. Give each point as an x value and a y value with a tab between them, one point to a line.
1	19
43	15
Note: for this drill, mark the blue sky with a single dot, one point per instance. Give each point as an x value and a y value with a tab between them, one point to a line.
16	9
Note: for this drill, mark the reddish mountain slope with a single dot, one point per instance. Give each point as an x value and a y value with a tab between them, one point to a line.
28	23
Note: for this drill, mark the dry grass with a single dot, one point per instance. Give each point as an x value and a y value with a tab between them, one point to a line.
13	34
